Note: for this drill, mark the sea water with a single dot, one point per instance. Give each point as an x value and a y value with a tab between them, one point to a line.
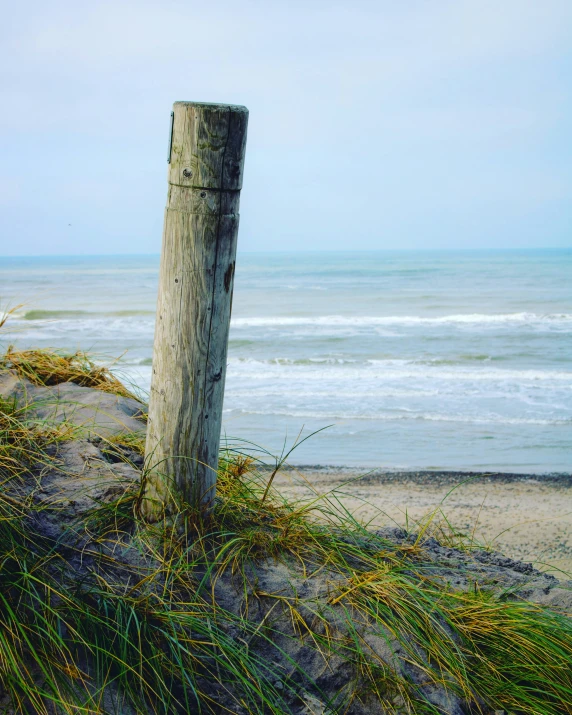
448	360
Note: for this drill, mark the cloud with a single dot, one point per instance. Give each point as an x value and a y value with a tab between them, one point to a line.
412	100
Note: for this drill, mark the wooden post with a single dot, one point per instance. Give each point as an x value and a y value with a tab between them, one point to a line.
207	149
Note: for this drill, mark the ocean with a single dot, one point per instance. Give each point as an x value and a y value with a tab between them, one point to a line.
410	360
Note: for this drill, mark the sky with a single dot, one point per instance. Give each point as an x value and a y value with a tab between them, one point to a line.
420	124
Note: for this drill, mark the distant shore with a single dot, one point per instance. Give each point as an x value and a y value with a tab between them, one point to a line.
526	516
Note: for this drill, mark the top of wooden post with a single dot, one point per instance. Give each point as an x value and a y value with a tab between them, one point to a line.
208	145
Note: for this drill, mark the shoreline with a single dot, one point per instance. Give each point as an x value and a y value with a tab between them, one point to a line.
423	476
528	517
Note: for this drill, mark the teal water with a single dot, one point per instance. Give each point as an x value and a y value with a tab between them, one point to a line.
416	360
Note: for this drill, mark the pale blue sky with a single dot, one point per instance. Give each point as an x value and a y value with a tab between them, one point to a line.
413	124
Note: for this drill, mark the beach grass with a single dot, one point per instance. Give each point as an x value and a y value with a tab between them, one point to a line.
53	367
148	632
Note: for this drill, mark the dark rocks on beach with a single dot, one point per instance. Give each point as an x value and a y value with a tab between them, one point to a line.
431	477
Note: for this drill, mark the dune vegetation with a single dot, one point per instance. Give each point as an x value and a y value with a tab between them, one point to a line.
269	606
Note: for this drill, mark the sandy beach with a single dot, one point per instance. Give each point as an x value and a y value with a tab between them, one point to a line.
527	517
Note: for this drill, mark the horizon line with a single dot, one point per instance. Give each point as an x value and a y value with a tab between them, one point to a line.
307	251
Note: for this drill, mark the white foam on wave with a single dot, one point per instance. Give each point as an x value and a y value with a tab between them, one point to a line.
384	370
369	393
142	322
118	326
365	321
87	317
405	415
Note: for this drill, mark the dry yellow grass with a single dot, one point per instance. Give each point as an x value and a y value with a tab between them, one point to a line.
49	367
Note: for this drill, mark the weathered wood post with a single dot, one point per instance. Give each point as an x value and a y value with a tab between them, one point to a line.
206	151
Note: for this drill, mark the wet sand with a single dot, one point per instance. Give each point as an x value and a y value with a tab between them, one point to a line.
527	517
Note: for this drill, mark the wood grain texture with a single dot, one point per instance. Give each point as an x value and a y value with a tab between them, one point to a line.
194	303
